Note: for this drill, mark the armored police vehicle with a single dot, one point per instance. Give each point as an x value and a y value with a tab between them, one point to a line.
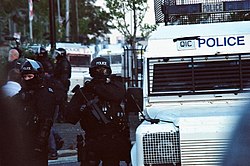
195	86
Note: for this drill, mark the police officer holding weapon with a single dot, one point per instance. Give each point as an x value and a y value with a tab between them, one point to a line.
98	107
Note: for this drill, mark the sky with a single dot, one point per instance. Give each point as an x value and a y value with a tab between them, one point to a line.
149	18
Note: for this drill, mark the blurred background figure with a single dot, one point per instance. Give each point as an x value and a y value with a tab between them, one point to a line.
13	59
62	73
43	58
9	130
12	86
62	70
12	62
55	141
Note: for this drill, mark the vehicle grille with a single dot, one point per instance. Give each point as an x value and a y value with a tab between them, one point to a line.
161	148
203	152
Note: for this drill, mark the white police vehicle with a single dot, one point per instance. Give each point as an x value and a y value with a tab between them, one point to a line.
195	86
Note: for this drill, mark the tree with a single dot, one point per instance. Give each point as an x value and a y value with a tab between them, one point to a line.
119	10
11	10
93	20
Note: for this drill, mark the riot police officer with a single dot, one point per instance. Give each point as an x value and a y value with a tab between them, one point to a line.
62	70
36	104
98	107
43	58
56	85
62	73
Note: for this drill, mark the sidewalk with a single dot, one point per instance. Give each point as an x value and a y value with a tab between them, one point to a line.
69	132
64	157
68	154
69	158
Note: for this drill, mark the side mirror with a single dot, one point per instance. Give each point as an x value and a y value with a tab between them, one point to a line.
134	100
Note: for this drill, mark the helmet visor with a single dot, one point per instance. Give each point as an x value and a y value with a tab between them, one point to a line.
56	54
101	71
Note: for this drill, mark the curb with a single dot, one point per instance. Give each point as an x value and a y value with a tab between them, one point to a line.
67	152
63	161
64	157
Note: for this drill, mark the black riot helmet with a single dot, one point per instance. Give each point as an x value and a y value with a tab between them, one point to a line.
42	52
30	66
100	68
60	52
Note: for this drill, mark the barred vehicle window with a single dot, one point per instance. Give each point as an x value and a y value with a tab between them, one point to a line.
200	11
116	59
79	60
203	74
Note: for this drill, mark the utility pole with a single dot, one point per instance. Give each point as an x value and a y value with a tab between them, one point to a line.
67	20
52	25
31	14
75	29
59	19
59	11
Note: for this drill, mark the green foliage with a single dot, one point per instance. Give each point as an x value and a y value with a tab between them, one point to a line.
9	6
119	11
146	30
16	10
92	20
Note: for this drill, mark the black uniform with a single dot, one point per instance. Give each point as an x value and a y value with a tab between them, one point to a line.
35	105
37	110
62	71
106	140
47	63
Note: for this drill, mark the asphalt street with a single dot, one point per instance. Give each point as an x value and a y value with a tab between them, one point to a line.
65	161
68	154
70	161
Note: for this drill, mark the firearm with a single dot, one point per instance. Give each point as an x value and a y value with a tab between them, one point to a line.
80	148
92	103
